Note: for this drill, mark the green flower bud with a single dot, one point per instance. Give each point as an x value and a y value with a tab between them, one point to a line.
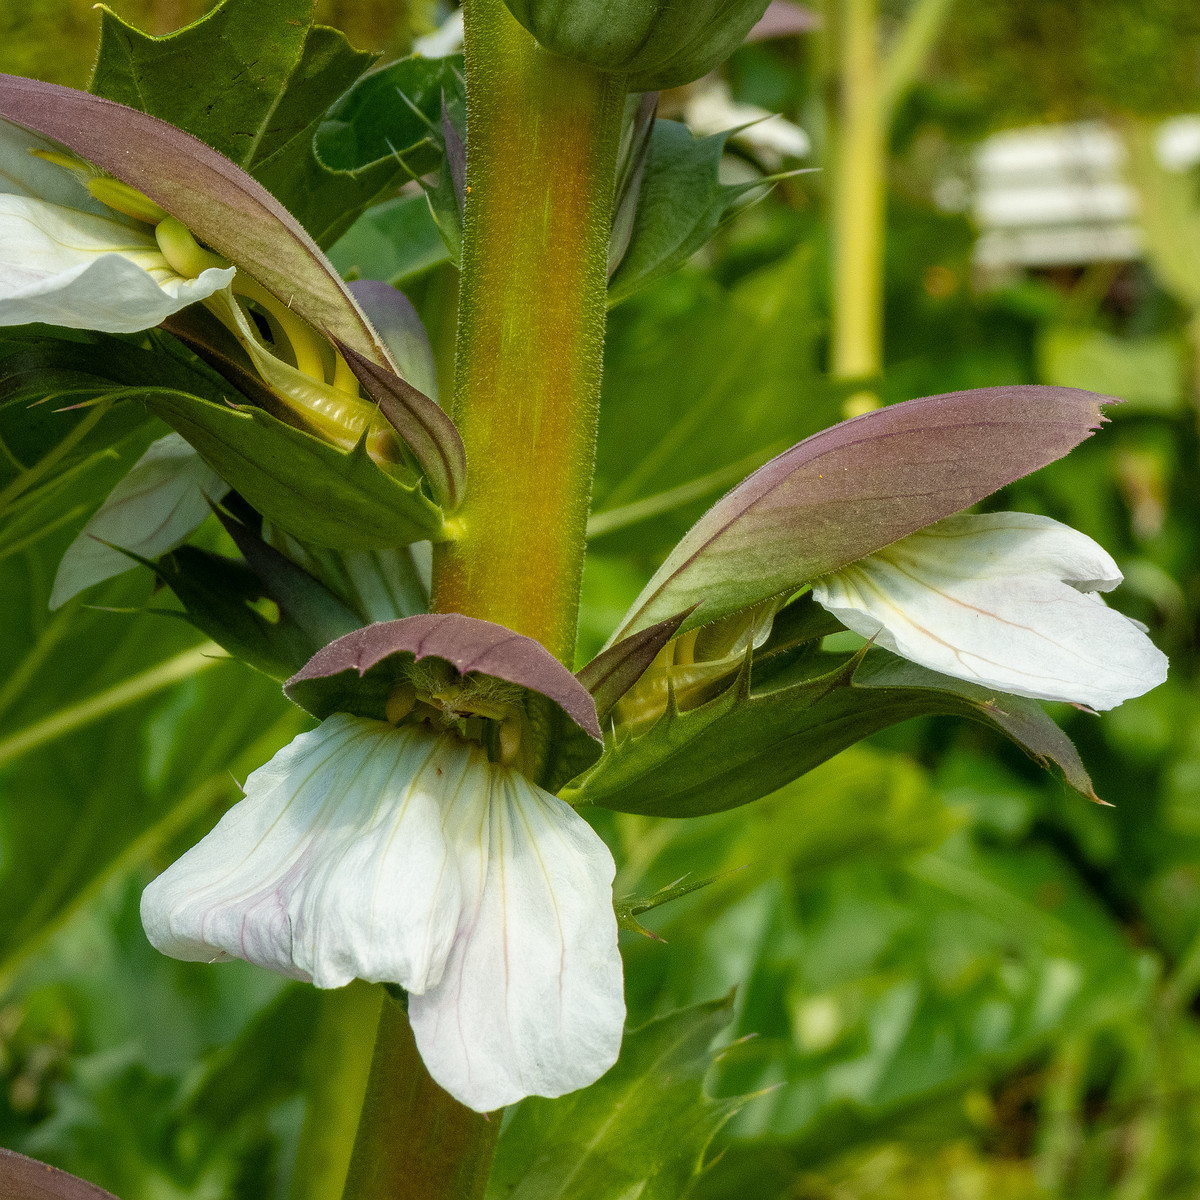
657	43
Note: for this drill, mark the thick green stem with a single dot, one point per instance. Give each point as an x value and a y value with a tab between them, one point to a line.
543	135
542	156
415	1142
858	183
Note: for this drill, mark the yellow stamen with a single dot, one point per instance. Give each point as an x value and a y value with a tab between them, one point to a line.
305	342
344	378
181	250
510	740
59	159
401	702
125	199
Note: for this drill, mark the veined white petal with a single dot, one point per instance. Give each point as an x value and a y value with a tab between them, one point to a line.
532	1001
86	271
335	865
155	508
1002	599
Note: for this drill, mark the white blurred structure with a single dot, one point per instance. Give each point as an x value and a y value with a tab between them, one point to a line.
710	108
447	39
1056	195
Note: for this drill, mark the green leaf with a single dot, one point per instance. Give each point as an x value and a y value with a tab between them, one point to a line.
393	113
408	113
680	204
641	1131
219	596
254	81
307	487
747	742
393	242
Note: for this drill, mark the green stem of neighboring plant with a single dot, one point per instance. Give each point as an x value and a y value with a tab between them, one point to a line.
337	1068
867	88
857	181
542	157
121	695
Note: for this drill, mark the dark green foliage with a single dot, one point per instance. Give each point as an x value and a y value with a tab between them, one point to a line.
1027	60
269	76
644	1129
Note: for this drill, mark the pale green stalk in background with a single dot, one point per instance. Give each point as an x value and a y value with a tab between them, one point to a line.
866	86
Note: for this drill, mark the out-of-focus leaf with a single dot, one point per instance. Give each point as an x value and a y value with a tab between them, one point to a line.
881	967
642	1130
679	205
857	487
219	202
702	385
1169	210
393	241
313	490
1146	372
748	742
111	790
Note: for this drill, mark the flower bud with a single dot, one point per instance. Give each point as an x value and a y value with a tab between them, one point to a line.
657	43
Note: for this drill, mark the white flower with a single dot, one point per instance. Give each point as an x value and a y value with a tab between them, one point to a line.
1007	600
402	855
157	506
66	259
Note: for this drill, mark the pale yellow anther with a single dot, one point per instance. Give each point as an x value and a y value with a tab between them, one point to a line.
181	250
400	702
69	161
509	740
125	199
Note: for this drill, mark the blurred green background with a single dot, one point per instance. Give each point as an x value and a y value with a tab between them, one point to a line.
953	978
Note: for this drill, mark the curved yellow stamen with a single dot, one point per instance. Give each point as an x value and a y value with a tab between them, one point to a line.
304	340
125	199
344	378
181	250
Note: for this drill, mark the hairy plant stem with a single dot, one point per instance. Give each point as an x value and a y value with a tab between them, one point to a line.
543	136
